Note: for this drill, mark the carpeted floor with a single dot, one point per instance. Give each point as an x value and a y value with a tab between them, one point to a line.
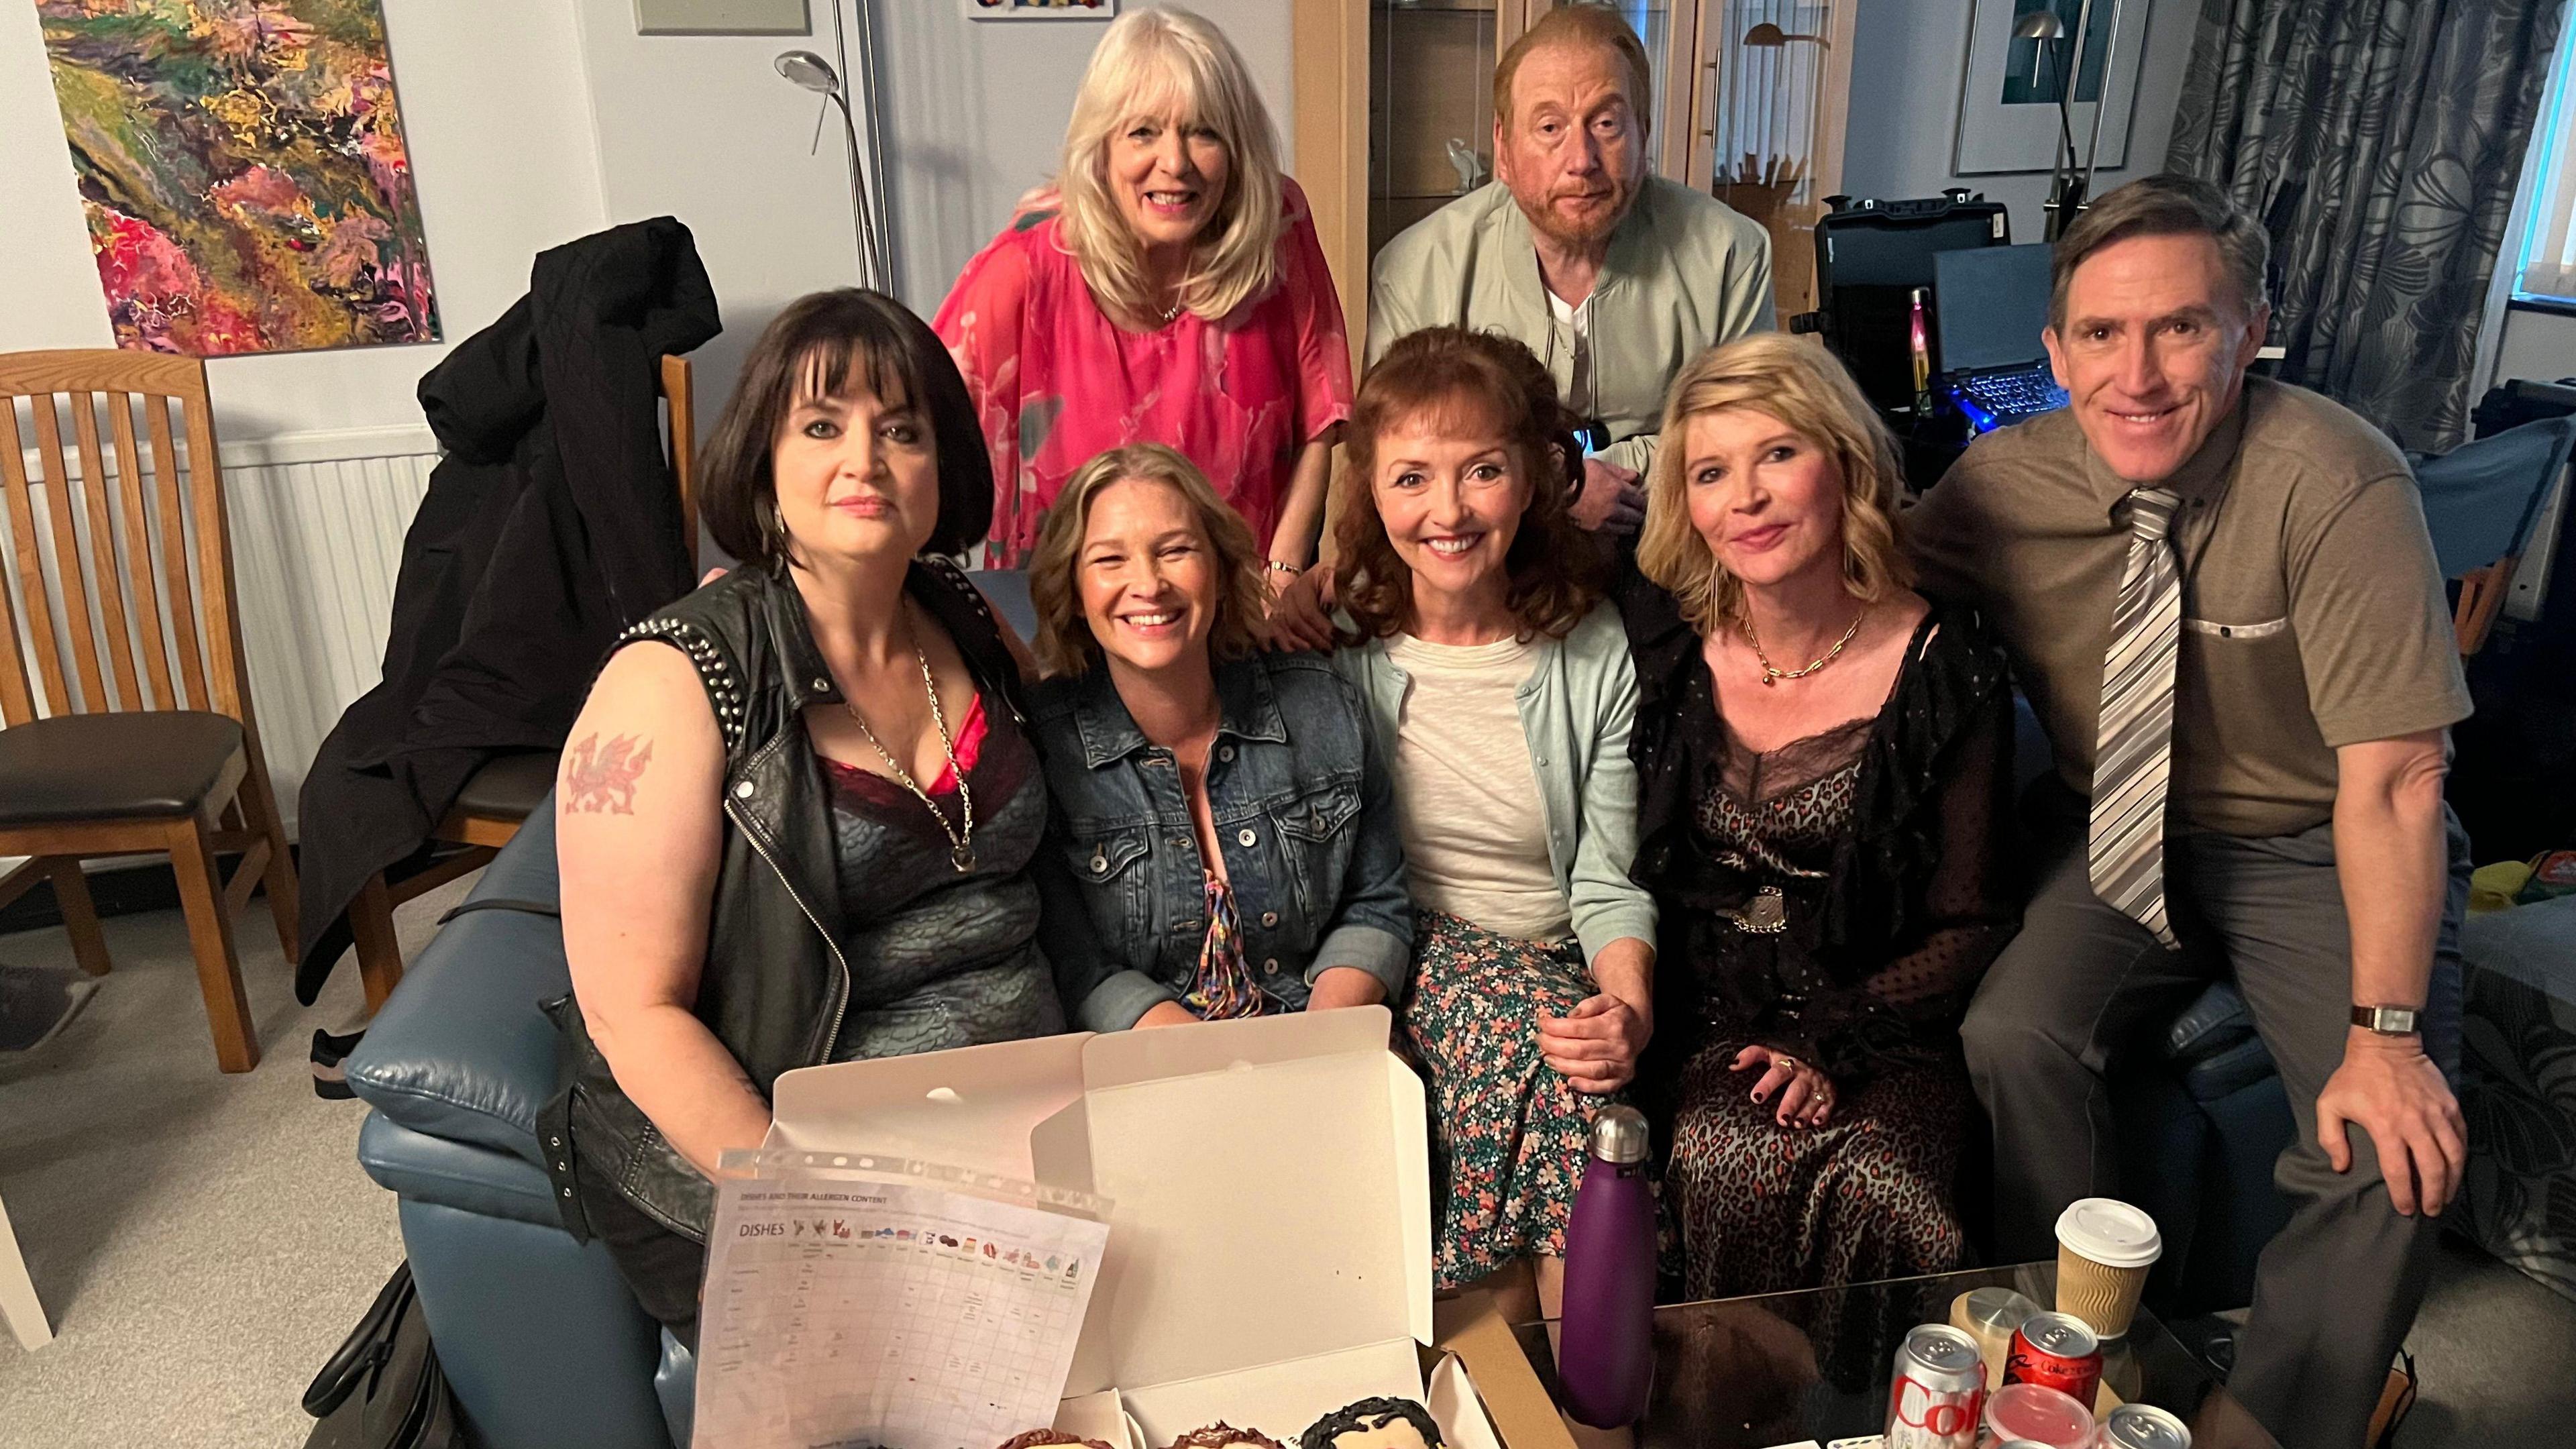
201	1242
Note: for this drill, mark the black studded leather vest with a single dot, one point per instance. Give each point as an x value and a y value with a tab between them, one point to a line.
776	985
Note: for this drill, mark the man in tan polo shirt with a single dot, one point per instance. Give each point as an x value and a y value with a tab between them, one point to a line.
2220	599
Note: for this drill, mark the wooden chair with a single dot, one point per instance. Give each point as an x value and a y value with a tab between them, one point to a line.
499	796
2482	502
147	743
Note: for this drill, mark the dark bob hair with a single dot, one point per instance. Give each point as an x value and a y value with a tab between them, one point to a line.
1455	378
833	341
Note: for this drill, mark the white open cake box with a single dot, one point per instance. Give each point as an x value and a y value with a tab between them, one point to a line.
1269	1254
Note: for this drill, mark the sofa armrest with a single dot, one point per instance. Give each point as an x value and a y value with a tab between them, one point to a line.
462	1050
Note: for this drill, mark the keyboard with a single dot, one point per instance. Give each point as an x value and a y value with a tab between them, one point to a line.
1998	399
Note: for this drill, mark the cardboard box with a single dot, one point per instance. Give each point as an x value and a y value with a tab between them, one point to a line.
1269	1256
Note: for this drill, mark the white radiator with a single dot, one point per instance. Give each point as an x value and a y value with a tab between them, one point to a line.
317	523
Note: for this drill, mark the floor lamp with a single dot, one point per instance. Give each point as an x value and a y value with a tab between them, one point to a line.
2068	191
814	73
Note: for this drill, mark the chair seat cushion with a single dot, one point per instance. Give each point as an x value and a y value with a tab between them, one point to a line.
125	766
510	786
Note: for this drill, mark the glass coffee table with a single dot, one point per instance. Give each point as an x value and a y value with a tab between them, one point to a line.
1780	1368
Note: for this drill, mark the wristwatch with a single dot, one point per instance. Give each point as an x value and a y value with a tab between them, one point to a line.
2386	1020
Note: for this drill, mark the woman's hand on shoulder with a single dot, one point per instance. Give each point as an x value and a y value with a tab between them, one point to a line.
1301	614
1803	1093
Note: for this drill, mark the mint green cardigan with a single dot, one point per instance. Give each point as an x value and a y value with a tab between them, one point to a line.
1576	710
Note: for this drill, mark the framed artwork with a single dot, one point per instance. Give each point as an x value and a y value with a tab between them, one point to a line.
2008	118
722	17
242	167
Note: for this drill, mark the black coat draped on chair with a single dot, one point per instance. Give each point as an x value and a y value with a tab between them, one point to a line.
551	524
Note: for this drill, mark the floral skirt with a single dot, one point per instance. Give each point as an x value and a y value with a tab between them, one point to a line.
1507	1130
1767	1209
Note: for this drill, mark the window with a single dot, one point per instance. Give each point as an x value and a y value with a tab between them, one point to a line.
2547	267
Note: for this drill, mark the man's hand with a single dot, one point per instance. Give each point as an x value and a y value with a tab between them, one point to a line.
1167	1013
1611	501
1597	1044
1301	612
2390	1089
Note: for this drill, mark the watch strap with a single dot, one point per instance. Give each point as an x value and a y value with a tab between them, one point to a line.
2387	1020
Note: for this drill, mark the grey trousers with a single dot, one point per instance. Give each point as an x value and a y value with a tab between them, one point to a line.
2336	1291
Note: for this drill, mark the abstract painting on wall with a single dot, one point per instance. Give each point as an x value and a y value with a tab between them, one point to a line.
242	166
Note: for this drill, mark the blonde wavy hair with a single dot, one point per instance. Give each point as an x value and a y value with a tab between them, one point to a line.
1809	392
1172	62
1065	645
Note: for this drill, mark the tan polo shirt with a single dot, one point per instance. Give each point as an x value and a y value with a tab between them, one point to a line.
2313	614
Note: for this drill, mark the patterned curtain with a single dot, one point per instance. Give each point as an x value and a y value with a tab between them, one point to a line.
2381	142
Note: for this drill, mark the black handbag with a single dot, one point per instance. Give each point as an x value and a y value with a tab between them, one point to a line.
383	1388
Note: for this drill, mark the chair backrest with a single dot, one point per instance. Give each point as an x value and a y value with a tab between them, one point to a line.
117	579
2482	498
681	434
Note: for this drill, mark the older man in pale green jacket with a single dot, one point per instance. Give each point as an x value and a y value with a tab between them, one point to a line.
1614	277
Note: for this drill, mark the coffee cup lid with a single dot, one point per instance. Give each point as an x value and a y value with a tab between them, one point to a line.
2110	1232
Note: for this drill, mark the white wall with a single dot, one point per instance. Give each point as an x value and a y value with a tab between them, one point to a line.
495	108
2539	345
975	110
702	127
1909	58
534	123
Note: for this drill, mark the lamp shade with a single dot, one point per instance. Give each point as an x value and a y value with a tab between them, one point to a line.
809	70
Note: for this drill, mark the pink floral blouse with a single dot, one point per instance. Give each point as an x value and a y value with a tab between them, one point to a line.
1056	381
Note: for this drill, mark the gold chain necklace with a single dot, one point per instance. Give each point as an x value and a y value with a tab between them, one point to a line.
1771	675
961	847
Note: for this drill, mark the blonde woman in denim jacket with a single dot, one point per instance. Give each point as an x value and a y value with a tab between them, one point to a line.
1502	695
1221	841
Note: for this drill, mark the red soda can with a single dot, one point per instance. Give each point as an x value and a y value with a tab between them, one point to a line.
1938	1397
2058	1351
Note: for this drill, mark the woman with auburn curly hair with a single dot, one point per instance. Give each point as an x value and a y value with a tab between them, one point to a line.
1826	772
1500	688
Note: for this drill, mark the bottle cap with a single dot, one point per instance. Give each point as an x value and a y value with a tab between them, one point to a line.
1619	1135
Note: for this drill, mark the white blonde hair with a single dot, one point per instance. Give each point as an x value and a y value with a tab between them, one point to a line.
1150	59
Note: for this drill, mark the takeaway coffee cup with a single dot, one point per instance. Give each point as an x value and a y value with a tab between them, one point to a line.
2104	1249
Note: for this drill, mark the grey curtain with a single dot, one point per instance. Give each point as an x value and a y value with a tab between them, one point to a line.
2380	141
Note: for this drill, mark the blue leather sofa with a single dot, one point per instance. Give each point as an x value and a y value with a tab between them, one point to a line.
542	1342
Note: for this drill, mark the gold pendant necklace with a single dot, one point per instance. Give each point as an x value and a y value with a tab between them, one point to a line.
961	847
1771	675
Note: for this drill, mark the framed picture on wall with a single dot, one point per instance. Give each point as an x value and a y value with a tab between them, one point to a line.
2008	113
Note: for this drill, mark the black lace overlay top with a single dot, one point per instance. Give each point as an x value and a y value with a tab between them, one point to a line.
1838	897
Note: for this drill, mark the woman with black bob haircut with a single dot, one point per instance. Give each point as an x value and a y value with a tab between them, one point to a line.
796	817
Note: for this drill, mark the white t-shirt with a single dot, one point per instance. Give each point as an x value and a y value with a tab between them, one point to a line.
1466	796
1576	319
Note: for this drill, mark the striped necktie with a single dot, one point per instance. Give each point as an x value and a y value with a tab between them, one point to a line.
2134	759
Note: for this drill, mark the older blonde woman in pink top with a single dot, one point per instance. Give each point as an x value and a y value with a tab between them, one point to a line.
1167	287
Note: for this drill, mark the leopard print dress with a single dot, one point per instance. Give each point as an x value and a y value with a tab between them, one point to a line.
1765	1208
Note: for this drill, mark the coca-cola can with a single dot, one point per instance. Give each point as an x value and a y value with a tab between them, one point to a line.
2058	1351
1938	1396
2141	1426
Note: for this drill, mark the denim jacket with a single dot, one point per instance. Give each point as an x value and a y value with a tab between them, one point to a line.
1577	710
1304	818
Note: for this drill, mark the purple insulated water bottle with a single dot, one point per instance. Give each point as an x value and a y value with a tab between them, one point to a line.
1606	1357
